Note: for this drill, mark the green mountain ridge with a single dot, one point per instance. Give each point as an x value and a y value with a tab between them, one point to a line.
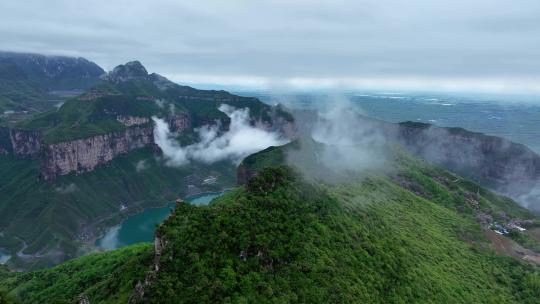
411	236
130	91
56	72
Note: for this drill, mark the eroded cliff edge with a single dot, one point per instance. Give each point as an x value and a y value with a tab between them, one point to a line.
85	154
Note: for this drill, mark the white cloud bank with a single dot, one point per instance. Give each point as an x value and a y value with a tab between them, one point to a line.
239	141
351	143
141	165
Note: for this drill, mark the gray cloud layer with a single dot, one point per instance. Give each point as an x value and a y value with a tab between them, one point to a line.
494	43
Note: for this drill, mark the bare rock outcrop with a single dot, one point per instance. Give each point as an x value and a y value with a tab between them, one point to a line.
138	293
84	155
129	121
179	122
25	143
83	299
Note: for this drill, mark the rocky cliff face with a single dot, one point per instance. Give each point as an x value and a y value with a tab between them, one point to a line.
507	167
496	163
84	155
490	160
25	143
179	123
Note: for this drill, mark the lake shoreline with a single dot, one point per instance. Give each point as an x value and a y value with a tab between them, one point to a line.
95	245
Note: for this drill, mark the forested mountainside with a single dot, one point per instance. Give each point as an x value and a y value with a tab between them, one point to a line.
16	88
66	172
416	234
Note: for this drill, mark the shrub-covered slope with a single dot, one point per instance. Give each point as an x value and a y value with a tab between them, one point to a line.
459	194
281	239
44	223
103	277
406	237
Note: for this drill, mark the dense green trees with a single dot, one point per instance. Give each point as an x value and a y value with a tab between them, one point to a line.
103	277
403	238
368	241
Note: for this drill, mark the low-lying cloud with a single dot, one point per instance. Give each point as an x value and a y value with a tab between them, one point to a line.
531	199
351	143
67	189
240	140
110	240
141	165
345	143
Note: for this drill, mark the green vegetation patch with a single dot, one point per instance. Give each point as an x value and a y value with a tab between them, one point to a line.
102	277
281	239
54	216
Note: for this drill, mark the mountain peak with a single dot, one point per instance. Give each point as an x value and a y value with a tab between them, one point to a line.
129	71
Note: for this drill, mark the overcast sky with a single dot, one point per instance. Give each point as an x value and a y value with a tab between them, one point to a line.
460	44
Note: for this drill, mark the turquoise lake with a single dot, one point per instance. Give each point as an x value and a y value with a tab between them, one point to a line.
140	227
4	257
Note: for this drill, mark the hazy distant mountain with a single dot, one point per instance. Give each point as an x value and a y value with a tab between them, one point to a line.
26	81
16	89
56	72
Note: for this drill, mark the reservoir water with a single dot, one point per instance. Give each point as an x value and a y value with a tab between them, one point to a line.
140	227
4	257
